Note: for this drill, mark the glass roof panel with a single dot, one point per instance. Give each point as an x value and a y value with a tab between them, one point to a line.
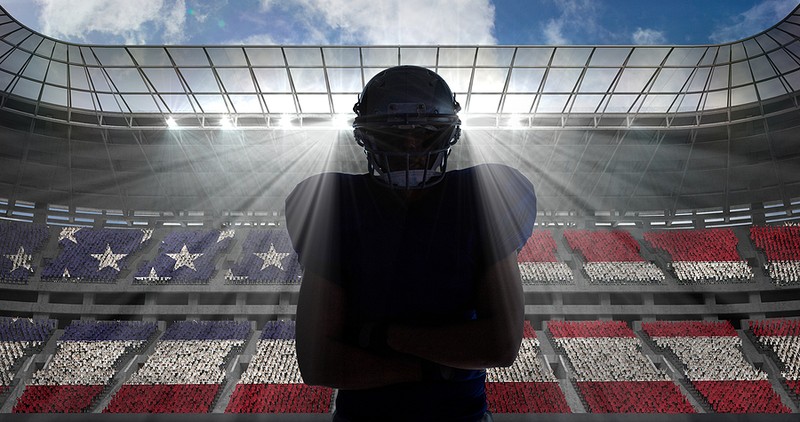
126	79
150	56
780	36
314	103
710	56
27	88
771	89
228	56
634	80
740	74
272	80
719	77
341	56
343	103
139	103
671	80
571	56
525	80
60	52
609	56
699	79
648	56
457	79
743	95
75	54
31	43
418	56
561	80
309	80
46	48
14	61
17	37
109	103
456	57
280	103
737	52
303	56
212	103
533	56
88	56
369	73
518	103
54	95
551	103
762	69
178	103
4	48
265	56
620	103
723	55
82	100
495	56
236	80
783	61
715	100
164	79
112	56
344	80
687	103
657	103
489	80
794	48
200	80
77	77
188	56
597	80
245	103
586	103
681	56
36	68
98	80
483	103
5	80
752	48
380	56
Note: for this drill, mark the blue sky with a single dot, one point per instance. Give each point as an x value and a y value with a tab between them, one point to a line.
407	22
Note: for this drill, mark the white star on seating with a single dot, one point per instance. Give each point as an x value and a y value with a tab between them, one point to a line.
153	274
66	273
225	234
69	234
21	259
146	235
184	258
272	257
108	258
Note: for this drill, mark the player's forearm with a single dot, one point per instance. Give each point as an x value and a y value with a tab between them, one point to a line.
474	344
341	365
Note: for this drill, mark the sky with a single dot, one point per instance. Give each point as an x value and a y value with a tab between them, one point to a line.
395	22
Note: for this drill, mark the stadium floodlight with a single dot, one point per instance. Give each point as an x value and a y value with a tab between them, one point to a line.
171	123
226	123
286	121
342	122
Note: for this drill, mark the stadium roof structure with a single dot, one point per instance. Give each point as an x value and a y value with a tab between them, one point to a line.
217	128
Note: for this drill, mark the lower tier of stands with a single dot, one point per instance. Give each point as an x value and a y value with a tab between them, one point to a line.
163	398
741	396
280	398
57	398
634	397
526	397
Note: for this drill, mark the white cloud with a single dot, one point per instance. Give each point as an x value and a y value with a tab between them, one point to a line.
257	39
133	21
394	21
553	32
756	19
648	36
575	17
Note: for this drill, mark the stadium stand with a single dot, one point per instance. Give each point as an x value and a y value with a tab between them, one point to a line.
185	371
702	256
612	257
272	381
781	245
780	339
19	339
527	386
94	255
86	359
185	257
611	373
538	263
710	354
267	258
19	243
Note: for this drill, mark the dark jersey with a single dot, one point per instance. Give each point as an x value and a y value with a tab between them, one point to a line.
411	262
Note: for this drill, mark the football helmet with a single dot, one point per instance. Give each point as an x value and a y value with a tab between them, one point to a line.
406	121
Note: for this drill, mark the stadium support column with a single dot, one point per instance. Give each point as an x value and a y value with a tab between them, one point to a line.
757	212
40	213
